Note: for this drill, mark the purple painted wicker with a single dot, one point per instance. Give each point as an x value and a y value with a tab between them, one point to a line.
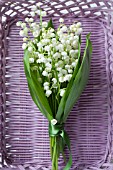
23	130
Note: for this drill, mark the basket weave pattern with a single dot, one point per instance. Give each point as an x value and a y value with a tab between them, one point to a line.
23	130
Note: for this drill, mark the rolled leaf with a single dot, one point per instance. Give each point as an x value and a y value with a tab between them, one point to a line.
36	90
80	79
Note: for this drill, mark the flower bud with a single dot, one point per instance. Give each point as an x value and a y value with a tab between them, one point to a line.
48	93
53	121
62	91
24	46
61	20
18	24
31	60
30	49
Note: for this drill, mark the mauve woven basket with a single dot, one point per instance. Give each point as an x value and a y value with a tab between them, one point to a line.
24	143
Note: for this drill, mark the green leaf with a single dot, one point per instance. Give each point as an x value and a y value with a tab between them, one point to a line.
26	63
35	89
80	79
68	89
50	24
33	95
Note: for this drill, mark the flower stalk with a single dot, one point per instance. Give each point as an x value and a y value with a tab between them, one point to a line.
54	153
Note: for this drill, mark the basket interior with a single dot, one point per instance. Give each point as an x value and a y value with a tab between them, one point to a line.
26	133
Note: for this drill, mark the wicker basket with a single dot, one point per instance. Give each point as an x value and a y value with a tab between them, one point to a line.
23	130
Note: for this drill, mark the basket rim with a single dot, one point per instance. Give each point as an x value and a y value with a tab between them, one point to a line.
110	114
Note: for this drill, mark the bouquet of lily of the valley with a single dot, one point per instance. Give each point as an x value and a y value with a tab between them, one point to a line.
56	73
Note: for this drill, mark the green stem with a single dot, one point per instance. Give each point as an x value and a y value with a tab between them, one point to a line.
40	17
51	150
54	152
